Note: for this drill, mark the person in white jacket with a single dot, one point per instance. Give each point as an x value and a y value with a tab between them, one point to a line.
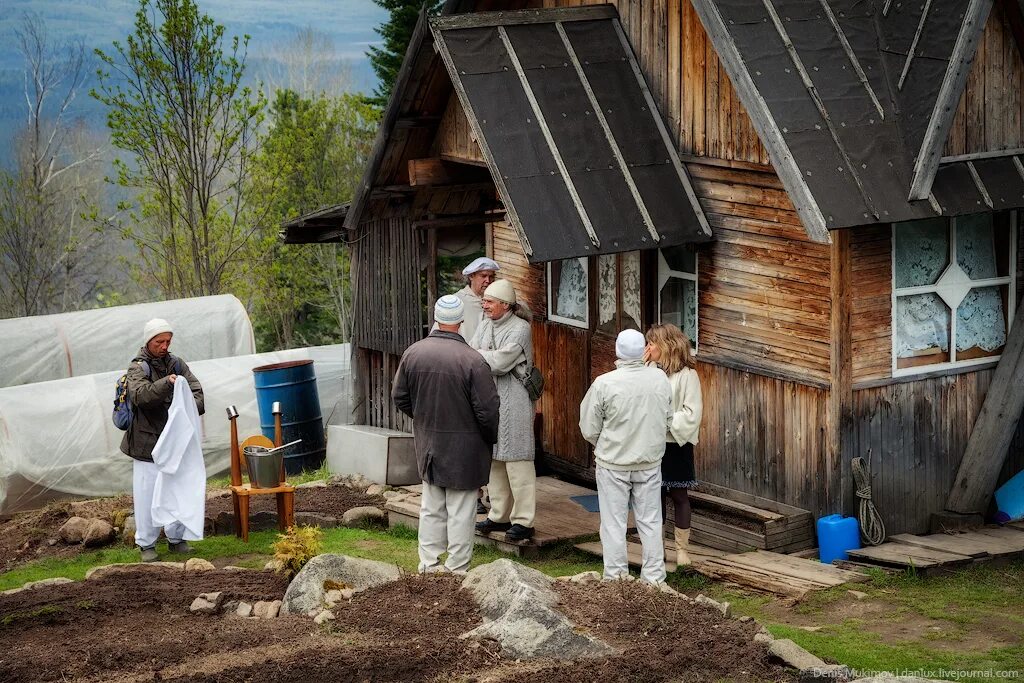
669	347
625	414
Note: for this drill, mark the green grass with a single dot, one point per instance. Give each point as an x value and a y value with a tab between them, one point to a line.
222	481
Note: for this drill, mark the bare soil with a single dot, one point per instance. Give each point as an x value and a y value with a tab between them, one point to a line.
136	626
332	500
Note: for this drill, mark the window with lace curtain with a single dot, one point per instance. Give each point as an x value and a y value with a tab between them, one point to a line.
568	292
677	289
618	300
954	282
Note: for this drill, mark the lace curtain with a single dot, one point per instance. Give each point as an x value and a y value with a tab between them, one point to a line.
571	298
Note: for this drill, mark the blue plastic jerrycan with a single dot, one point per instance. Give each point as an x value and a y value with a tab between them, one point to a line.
836	536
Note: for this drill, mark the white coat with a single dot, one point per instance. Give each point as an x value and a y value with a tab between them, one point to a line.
180	491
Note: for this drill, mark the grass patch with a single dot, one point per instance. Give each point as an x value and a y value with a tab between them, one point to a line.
45	610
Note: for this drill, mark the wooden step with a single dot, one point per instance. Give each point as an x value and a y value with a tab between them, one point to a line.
906	556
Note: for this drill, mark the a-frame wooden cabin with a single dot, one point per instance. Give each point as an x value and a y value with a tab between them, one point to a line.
856	163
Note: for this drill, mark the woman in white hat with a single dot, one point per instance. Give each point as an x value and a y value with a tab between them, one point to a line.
505	341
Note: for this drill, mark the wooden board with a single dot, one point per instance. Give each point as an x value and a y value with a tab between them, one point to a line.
961	544
903	555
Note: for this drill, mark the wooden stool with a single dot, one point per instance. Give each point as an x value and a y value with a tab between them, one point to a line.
240	492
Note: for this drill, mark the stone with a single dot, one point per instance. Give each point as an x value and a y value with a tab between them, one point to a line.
724	607
229	607
519	606
198	564
375	489
315	519
110	569
73	530
663	587
860	595
365	514
332	597
262	521
207	603
51	542
266	609
582	577
275	565
793	655
886	677
830	672
233	568
244	609
128	533
318	484
347	593
391	495
745	619
99	532
306	591
43	583
323	617
761	637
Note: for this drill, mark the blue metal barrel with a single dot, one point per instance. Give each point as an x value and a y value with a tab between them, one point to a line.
293	384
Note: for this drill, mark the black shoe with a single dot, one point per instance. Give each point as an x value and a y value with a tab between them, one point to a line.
518	532
488	525
481	509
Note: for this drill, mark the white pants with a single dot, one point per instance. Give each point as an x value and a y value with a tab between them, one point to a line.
447	523
146	534
615	490
512	488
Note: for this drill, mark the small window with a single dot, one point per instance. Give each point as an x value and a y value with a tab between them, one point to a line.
953	290
619	292
677	289
568	293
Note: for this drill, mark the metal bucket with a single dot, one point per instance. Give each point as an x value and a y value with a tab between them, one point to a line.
264	467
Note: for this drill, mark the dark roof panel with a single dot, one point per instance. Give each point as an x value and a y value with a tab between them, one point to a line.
569	132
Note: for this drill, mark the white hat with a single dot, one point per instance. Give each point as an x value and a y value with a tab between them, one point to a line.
501	290
153	328
629	345
449	310
482	263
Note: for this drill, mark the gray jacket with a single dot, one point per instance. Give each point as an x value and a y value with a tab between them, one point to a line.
446	388
151	398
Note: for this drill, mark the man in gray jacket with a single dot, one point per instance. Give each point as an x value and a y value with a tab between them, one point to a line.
151	378
446	388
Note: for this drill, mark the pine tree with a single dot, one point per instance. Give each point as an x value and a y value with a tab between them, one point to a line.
396	32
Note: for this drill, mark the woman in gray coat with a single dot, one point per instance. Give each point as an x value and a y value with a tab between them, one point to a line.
504	340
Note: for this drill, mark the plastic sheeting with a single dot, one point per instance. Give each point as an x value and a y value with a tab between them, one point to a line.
57	439
47	347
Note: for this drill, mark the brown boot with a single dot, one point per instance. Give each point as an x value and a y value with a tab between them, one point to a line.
682	541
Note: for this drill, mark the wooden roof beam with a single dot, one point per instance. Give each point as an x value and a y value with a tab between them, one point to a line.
455	221
438	171
526	16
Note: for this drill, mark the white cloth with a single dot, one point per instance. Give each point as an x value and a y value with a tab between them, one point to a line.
615	491
512	489
447	524
687	407
626	414
180	491
144	476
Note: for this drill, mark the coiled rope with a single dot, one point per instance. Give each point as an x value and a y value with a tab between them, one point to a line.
872	529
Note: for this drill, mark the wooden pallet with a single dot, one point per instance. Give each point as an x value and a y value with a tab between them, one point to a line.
776	526
785	575
939	552
558	517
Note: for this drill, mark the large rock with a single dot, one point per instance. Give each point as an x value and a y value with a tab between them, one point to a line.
99	532
266	609
198	564
519	607
207	603
306	591
73	530
128	533
793	655
366	514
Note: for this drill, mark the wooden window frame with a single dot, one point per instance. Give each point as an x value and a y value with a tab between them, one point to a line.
667	273
585	324
1009	281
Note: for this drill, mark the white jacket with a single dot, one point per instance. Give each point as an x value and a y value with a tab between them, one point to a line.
687	407
180	491
626	414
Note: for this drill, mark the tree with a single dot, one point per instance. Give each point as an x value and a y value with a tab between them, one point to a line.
176	103
47	251
396	32
307	65
312	156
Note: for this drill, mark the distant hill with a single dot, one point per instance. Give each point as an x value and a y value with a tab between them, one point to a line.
98	23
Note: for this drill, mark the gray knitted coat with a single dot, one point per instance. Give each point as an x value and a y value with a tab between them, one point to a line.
507	345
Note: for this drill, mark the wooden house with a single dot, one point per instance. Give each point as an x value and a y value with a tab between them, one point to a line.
822	193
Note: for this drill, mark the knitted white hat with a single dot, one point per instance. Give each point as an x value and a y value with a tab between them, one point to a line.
501	290
482	263
629	345
449	310
153	328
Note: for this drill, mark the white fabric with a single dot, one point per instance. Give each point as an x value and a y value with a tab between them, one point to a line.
180	491
616	491
447	524
626	415
482	263
153	328
449	310
512	489
48	347
629	345
687	407
58	440
147	532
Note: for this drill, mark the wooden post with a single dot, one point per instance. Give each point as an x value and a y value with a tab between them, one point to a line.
993	430
236	465
837	479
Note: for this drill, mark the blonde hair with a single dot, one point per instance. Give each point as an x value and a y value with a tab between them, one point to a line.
674	346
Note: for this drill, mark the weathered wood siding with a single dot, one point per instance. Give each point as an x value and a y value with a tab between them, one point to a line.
561	352
692	89
455	139
528	279
379	372
871	313
991	111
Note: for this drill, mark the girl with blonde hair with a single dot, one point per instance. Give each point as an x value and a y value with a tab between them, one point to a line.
669	347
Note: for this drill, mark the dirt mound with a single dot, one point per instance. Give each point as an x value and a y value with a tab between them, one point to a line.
332	500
